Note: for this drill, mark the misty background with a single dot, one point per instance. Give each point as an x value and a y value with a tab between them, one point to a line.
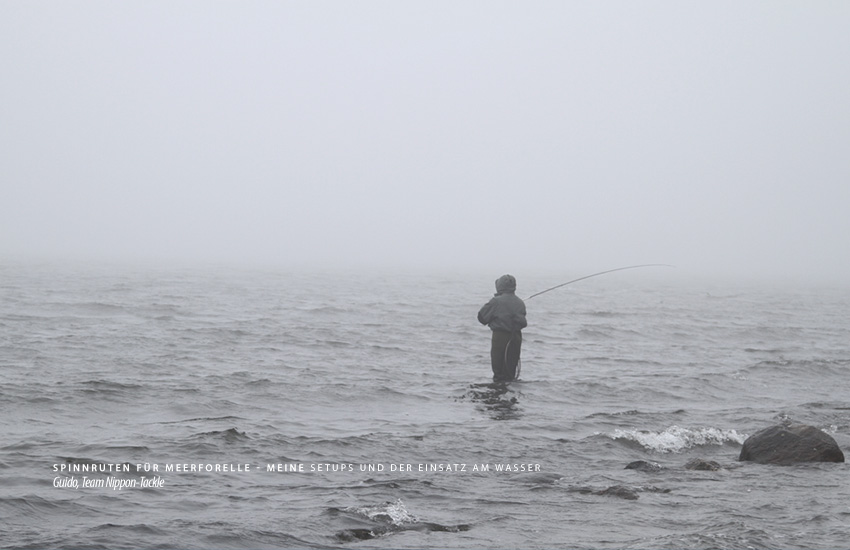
503	136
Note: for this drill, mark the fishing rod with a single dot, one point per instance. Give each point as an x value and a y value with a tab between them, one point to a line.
594	275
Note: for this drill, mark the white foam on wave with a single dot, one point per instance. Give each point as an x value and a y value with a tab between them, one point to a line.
394	513
676	439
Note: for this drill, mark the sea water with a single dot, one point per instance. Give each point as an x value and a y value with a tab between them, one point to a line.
225	408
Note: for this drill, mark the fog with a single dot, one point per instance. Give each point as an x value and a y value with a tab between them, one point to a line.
503	136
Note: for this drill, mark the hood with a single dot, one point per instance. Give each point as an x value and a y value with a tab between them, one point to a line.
505	284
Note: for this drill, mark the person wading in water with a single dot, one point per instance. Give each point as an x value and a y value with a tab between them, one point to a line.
505	315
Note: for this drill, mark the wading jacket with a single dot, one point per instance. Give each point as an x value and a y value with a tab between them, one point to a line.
505	311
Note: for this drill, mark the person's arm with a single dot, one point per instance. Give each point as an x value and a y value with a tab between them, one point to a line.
485	314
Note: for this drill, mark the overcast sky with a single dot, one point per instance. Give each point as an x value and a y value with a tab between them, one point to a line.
510	136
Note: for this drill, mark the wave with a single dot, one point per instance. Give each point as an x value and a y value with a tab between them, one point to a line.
109	386
230	435
88	309
394	513
602	313
733	535
235	536
31	505
823	367
203	419
378	520
606	332
322	309
140	529
96	448
676	439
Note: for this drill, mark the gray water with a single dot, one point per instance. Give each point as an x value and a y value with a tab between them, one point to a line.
361	380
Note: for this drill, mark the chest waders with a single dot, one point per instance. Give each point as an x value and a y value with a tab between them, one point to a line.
505	355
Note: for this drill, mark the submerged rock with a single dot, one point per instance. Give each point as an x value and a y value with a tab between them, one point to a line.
354	535
380	520
644	466
358	534
791	444
701	464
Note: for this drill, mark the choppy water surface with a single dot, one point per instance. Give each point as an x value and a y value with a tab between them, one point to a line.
377	388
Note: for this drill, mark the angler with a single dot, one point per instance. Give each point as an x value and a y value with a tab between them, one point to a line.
505	315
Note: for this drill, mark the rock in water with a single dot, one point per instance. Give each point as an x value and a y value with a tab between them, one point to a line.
701	464
644	466
790	444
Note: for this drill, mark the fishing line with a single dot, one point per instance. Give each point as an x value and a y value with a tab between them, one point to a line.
518	363
595	274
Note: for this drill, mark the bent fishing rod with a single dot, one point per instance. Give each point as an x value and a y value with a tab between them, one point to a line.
594	275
